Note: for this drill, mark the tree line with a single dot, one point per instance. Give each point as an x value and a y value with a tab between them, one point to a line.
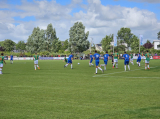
46	40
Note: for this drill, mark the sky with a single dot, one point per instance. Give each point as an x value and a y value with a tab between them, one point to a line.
100	17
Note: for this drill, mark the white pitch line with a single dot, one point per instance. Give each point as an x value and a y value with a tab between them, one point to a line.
102	75
132	77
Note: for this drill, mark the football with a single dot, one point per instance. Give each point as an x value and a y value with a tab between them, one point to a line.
78	63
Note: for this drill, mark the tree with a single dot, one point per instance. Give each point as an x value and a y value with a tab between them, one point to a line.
36	41
50	34
135	43
78	38
42	40
148	45
106	42
65	45
9	45
21	45
125	35
158	34
1	43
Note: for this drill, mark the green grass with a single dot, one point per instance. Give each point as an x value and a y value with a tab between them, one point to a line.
55	92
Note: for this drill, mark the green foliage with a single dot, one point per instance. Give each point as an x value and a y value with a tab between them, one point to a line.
9	45
43	40
125	35
65	45
21	45
56	45
106	42
158	35
1	43
78	38
135	43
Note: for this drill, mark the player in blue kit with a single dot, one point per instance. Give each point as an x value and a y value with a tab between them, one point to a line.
11	59
106	59
91	60
96	56
126	60
70	58
139	59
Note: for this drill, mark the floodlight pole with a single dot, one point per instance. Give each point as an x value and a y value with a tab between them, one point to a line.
139	43
91	43
113	43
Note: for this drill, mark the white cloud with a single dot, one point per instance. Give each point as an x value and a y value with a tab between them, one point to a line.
98	19
149	1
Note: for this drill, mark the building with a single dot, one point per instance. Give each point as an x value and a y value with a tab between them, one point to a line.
156	44
98	47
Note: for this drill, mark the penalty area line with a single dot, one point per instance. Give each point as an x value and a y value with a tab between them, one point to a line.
103	75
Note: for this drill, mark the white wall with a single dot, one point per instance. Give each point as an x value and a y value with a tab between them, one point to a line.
157	42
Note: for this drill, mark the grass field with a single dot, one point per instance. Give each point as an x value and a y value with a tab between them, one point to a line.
55	92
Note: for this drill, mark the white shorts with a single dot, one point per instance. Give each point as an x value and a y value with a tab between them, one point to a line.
131	59
1	65
146	61
36	62
115	60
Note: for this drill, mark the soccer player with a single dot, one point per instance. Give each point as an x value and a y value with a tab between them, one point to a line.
142	54
70	58
116	55
96	56
11	59
91	59
139	59
131	58
35	58
147	55
1	62
126	60
65	59
106	59
112	57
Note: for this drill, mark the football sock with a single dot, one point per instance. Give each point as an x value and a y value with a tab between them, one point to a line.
96	70
0	70
105	67
116	65
148	66
125	67
71	66
12	62
91	64
128	67
35	67
99	68
113	64
145	67
66	65
139	63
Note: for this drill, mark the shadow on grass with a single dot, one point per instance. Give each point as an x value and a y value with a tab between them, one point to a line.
145	113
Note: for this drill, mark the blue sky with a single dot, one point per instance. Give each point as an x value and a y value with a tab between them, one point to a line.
153	7
101	17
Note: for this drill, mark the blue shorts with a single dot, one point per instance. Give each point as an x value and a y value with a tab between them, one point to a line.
105	62
138	60
126	62
91	61
11	59
97	62
70	61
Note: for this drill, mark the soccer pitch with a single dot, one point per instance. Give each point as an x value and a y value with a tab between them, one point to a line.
55	92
